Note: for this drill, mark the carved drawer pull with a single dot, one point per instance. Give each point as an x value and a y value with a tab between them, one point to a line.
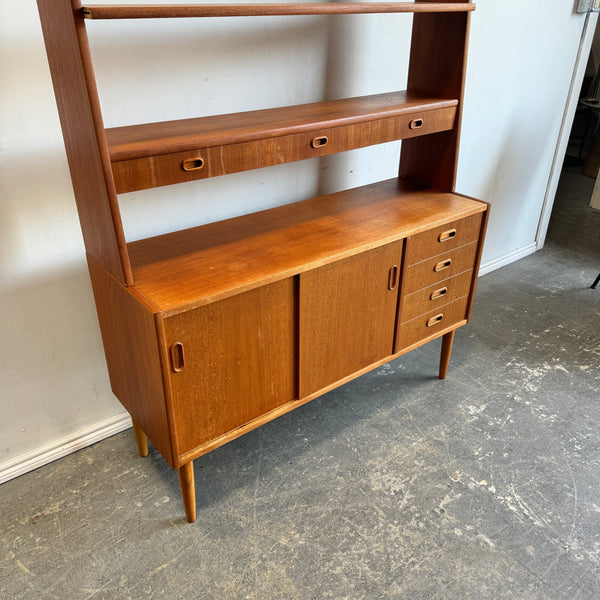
177	360
415	124
192	164
447	235
435	320
319	142
438	293
393	277
443	264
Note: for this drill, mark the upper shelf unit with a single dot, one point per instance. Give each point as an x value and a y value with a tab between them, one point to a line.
158	11
104	162
156	154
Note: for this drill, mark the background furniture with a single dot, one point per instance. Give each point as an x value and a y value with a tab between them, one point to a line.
212	331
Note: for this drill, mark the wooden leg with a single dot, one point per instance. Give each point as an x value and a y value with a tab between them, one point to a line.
140	438
188	491
446	350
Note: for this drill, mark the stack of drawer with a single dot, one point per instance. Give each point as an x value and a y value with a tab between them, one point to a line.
438	274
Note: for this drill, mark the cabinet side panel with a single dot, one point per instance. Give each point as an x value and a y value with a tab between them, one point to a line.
437	67
132	355
232	361
482	232
85	143
347	316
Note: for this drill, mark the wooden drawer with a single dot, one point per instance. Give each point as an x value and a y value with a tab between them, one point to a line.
322	142
430	324
435	296
439	268
179	167
442	239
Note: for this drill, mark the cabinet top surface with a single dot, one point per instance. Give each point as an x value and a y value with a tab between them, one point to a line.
184	269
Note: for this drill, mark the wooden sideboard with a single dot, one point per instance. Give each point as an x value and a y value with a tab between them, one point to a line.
212	331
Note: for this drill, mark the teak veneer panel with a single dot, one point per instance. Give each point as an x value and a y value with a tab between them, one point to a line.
437	67
420	328
425	273
239	362
435	296
196	266
347	315
428	243
83	132
165	137
252	10
153	171
131	346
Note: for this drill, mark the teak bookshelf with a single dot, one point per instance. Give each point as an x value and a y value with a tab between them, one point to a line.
210	332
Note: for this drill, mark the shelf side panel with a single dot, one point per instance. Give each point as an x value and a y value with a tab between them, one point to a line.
85	142
437	66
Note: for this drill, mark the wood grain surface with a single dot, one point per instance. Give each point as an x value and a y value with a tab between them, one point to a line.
83	133
420	302
236	10
438	59
347	316
196	266
426	273
428	244
417	330
150	139
154	171
132	355
239	362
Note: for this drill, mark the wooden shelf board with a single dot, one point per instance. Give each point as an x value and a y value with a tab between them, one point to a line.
153	139
146	11
181	270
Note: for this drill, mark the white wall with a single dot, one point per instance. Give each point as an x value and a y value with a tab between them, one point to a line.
55	394
521	62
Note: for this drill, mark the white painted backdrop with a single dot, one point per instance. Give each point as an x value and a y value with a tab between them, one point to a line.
54	391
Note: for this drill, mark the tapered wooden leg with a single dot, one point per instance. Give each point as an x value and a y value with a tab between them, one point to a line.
140	438
446	350
188	491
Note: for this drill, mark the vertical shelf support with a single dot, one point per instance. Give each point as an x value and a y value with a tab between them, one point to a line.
83	130
437	66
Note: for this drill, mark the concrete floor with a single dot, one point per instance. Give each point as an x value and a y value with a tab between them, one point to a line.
397	485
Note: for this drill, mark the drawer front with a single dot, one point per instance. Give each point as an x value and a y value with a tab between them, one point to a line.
430	324
435	296
310	144
439	268
179	167
442	239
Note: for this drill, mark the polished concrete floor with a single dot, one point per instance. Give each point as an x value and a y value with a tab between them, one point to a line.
397	485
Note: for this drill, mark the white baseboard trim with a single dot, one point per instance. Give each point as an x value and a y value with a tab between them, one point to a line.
506	259
28	461
37	457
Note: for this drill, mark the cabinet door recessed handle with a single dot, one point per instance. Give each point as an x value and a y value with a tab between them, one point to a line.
177	360
435	320
393	277
192	164
438	293
319	142
443	264
415	124
447	235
